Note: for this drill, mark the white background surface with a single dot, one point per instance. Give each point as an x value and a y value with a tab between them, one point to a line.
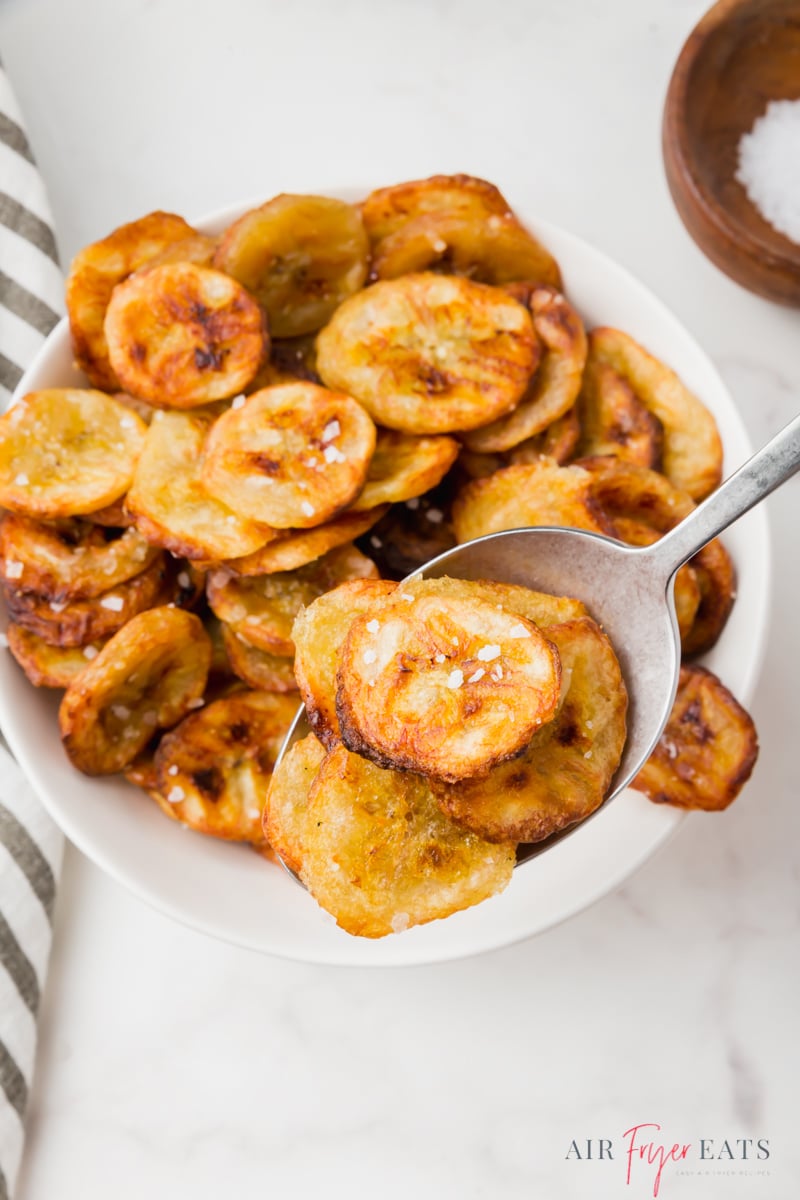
171	1065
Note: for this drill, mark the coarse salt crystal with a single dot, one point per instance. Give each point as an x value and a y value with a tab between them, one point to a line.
519	631
413	503
487	653
497	673
238	401
370	656
13	569
307	509
476	675
590	724
58	606
333	455
199	703
375	541
373	626
439	246
769	166
495	221
455	678
331	431
254	814
588	754
113	603
183	579
173	770
435	516
90	652
176	794
121	710
406	596
440	658
127	423
22	479
400	922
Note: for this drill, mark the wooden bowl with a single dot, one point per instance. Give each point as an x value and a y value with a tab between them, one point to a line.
742	55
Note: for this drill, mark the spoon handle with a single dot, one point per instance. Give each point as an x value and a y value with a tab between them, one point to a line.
766	470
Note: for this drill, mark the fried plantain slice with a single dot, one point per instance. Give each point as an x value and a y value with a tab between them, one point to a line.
94	274
540	607
555	385
318	633
444	685
537	493
404	466
430	353
145	678
66	451
286	804
258	668
262	608
76	622
379	855
692	451
388	209
291	456
45	665
171	505
300	256
213	769
198	248
707	751
72	559
297	547
566	768
614	421
180	335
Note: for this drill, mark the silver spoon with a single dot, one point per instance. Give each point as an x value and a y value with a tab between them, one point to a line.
628	590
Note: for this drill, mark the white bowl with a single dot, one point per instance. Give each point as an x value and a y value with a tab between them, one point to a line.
229	891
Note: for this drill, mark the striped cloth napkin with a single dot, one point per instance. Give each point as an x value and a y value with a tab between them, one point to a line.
31	287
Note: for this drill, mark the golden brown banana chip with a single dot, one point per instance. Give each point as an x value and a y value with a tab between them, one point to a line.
557	380
692	451
708	750
540	607
94	274
404	466
558	442
537	493
262	608
198	248
430	353
495	250
566	769
444	685
318	633
145	678
45	665
170	503
258	668
213	769
300	256
71	559
388	209
67	451
291	456
614	421
287	800
297	547
180	335
77	622
379	855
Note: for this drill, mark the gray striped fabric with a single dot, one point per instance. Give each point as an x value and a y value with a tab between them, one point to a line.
30	846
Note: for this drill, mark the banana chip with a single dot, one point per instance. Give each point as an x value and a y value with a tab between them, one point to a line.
692	451
537	493
388	209
94	274
318	633
300	256
258	668
567	767
180	335
45	665
262	608
213	770
556	383
708	750
299	547
444	685
614	421
77	622
67	451
199	249
430	353
70	560
171	505
379	855
287	800
145	678
291	456
404	466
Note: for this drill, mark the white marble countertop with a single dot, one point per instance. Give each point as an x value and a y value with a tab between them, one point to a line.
171	1065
